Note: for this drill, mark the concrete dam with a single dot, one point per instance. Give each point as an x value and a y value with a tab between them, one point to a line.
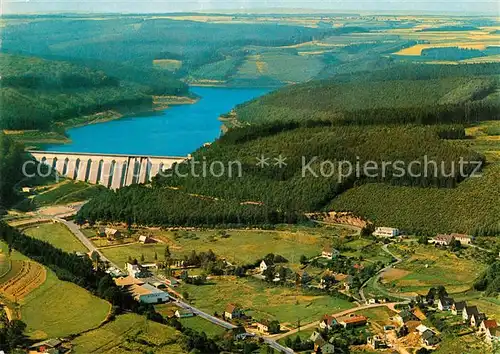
110	170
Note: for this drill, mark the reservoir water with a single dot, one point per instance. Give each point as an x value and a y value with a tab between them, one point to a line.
176	131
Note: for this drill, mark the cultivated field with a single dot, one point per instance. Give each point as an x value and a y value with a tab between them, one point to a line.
241	247
429	266
22	278
285	304
57	235
130	333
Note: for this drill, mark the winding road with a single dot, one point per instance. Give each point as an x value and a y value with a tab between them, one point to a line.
376	279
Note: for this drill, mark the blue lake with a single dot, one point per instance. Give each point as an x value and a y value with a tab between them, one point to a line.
176	131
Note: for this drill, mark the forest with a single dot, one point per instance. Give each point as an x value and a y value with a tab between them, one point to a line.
36	93
411	115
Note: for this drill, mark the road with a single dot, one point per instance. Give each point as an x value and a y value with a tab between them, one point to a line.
217	321
390	305
379	274
75	229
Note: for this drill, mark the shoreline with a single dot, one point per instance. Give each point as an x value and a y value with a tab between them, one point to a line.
34	139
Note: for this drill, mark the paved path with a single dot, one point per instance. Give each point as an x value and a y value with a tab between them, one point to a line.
390	305
379	274
219	322
75	229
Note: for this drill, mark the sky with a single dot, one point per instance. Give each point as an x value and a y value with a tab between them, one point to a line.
464	7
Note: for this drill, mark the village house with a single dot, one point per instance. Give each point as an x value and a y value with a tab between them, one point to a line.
318	341
128	280
28	189
475	320
54	345
145	239
263	266
112	234
172	282
489	328
405	316
442	240
147	294
463	239
376	342
445	303
468	312
263	326
386	232
327	348
353	321
327	322
184	313
419	313
458	307
329	252
136	270
429	338
233	311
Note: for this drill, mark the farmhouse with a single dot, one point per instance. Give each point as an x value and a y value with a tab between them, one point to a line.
386	232
147	294
463	239
183	313
47	346
145	239
443	240
353	321
112	234
458	307
490	330
233	311
328	252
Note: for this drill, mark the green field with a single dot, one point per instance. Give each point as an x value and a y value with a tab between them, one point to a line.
130	333
261	301
57	235
58	309
201	325
66	192
241	246
488	305
427	266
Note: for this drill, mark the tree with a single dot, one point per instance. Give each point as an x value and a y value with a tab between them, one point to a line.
156	257
274	327
94	256
455	246
142	258
303	259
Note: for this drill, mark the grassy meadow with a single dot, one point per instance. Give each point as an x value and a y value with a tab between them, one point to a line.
241	247
58	309
428	266
130	333
260	301
57	235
